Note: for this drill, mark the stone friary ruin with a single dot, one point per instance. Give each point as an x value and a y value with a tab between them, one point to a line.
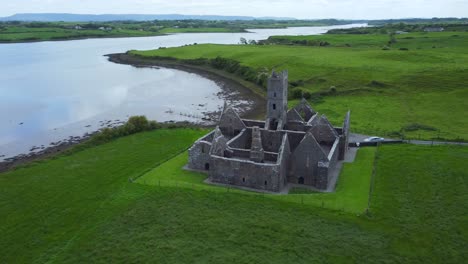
298	146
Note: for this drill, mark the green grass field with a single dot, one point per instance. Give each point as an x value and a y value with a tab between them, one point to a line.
83	207
351	194
386	90
200	30
19	34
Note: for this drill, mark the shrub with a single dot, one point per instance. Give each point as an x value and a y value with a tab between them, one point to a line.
297	93
153	125
404	49
134	125
139	123
395	134
416	126
375	83
297	83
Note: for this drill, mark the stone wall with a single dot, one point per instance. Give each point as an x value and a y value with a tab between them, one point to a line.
230	123
324	167
271	140
199	155
246	173
252	123
304	161
271	157
242	141
294	139
240	153
296	126
284	157
344	144
322	175
334	153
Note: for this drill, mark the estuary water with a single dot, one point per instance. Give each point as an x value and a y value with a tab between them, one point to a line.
55	91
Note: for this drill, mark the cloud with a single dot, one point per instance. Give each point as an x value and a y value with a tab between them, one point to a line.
311	9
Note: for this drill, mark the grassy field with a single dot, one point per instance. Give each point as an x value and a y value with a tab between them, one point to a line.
82	208
15	31
412	88
19	34
351	194
48	207
200	30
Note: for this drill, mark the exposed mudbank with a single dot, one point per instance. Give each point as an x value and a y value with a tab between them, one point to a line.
248	103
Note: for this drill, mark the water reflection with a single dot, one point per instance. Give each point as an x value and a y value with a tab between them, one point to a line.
52	90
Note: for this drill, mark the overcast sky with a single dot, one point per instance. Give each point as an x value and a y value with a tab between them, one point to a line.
311	9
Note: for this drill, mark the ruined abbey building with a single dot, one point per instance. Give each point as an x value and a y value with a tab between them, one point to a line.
297	146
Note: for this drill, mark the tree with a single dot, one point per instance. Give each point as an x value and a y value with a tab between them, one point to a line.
243	41
392	39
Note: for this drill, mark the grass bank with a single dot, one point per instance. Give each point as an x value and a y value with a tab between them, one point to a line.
81	208
351	194
21	34
408	89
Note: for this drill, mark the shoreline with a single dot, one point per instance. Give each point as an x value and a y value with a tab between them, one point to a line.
76	38
45	153
231	88
62	146
109	37
226	81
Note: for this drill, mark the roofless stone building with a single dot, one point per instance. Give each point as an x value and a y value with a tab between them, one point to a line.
297	146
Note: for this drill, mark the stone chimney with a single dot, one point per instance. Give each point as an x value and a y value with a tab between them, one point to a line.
256	153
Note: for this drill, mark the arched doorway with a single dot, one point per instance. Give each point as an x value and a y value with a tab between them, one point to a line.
207	166
300	180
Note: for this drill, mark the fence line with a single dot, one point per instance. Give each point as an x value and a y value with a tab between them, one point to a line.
157	165
435	135
311	199
371	186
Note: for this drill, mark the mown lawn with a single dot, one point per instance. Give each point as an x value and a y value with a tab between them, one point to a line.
351	194
386	90
82	208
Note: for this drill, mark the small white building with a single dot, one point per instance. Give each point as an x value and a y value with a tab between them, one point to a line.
434	29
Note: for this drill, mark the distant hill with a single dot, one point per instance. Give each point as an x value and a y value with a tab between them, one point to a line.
54	17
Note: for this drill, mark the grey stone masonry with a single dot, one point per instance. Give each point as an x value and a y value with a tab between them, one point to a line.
297	146
256	153
277	100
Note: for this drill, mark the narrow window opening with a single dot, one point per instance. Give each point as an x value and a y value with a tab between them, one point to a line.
274	95
266	183
301	180
274	106
203	149
243	179
207	166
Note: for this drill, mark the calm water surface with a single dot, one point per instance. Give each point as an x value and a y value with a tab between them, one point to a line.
50	91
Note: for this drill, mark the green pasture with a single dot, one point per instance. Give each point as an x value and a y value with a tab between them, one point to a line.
351	194
83	207
424	85
18	34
